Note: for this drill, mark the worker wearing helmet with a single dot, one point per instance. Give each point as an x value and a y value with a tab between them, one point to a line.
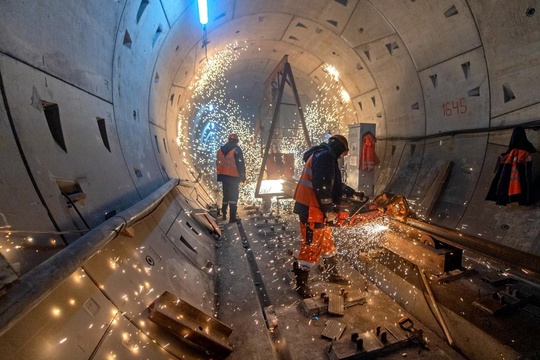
318	189
231	171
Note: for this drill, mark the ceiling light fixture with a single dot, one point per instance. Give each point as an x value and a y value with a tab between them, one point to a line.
203	19
203	12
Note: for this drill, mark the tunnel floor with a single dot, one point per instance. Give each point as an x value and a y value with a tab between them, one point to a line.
242	298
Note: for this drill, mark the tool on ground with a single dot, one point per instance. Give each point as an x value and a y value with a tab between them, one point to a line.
379	341
416	335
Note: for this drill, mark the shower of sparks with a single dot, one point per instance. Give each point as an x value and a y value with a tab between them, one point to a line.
209	116
331	107
366	239
332	72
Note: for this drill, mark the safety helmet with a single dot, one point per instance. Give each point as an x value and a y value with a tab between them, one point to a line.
233	137
339	144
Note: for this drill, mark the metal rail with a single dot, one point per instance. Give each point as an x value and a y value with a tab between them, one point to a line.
522	263
279	343
39	282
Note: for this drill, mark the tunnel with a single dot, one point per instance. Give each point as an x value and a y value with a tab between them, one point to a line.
112	112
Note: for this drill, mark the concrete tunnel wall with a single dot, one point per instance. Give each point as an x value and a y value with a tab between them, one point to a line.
130	62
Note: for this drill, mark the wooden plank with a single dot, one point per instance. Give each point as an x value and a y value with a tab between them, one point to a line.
429	200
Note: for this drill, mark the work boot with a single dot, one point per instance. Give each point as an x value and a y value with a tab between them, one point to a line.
233	217
302	286
331	271
224	211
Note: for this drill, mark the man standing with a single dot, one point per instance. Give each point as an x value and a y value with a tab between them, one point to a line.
319	187
231	171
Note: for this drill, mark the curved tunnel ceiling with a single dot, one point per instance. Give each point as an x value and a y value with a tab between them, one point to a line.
442	81
365	41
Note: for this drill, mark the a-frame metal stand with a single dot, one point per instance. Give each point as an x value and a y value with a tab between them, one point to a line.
281	75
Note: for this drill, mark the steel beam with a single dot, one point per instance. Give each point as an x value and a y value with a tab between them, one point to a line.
525	264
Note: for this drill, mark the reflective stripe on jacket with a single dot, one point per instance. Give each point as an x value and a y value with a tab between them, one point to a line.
305	194
514	158
226	164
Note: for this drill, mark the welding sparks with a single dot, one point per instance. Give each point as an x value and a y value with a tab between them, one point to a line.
210	115
366	238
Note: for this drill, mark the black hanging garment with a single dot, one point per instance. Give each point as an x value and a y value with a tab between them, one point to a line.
512	183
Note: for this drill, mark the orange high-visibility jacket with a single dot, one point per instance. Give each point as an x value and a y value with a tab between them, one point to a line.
226	164
305	194
513	158
368	157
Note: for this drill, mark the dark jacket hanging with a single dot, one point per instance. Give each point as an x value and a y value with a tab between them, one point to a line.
512	183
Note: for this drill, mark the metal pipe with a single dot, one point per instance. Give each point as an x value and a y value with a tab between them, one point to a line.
435	307
39	282
533	124
524	263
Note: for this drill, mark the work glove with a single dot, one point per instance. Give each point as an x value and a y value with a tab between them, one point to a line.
361	195
348	191
330	216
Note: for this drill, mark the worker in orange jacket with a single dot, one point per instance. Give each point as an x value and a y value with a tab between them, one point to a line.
317	191
231	171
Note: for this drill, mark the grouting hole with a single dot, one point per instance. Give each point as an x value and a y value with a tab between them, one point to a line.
452	11
332	22
508	93
368	55
103	132
474	92
127	40
156	35
52	114
138	173
142	7
433	80
466	67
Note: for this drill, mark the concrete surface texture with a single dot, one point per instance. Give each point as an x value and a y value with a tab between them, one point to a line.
98	112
